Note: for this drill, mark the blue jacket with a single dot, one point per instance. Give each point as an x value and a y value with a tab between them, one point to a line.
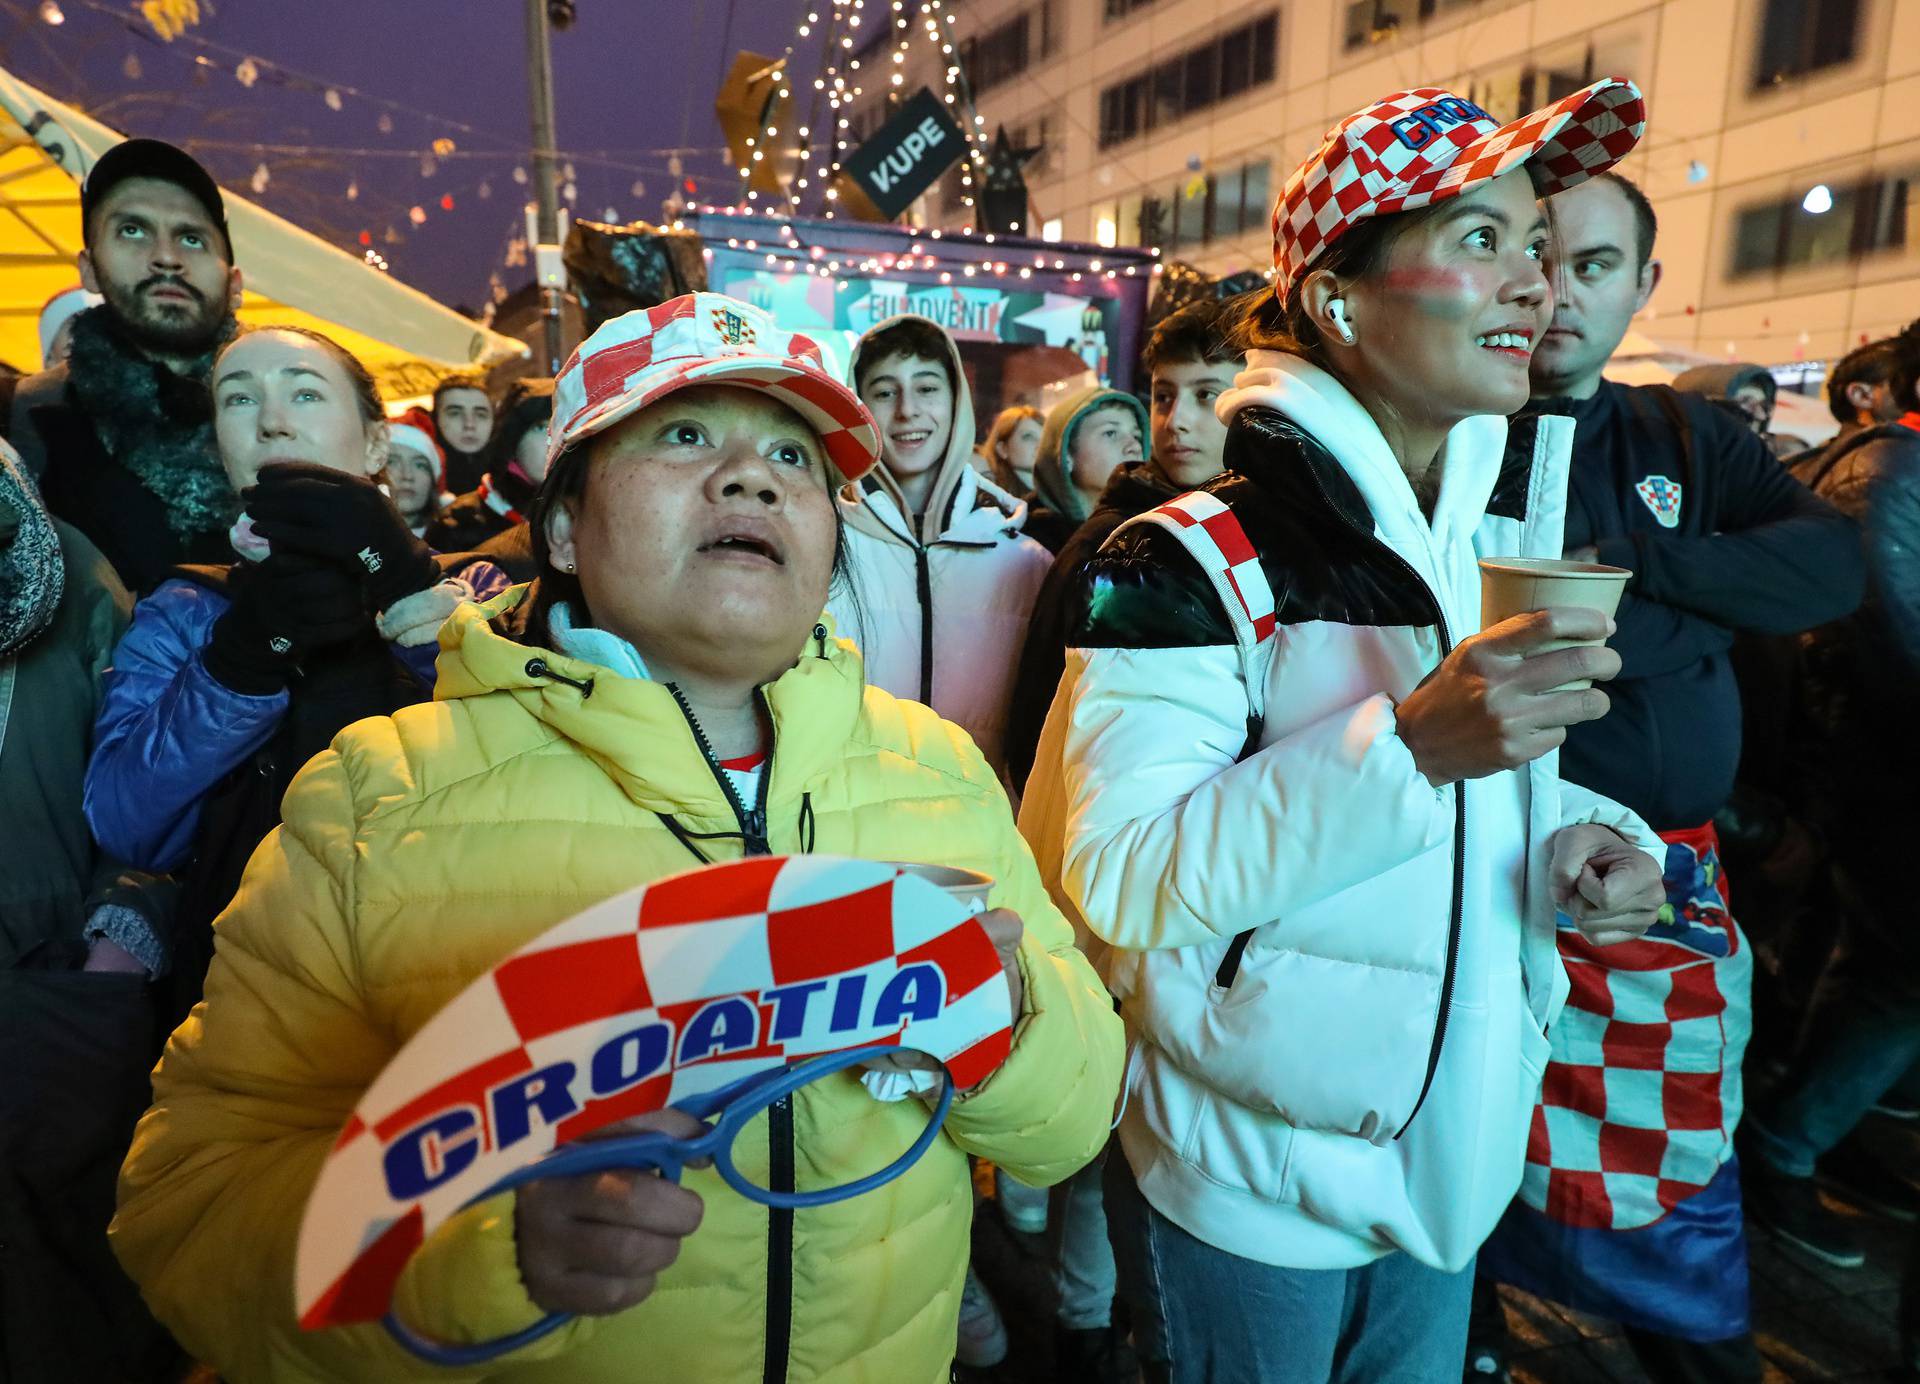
168	731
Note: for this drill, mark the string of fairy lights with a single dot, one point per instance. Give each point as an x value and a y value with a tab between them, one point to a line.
807	162
783	247
843	81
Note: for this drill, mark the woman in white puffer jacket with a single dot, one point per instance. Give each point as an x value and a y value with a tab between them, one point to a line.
1311	809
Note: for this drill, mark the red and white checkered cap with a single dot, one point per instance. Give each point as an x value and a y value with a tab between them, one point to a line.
1418	147
640	357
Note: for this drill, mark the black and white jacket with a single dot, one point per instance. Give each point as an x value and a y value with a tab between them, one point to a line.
1338	977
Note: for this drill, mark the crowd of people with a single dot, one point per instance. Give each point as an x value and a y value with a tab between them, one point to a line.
1362	959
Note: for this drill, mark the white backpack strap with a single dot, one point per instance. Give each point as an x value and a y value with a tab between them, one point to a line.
1207	529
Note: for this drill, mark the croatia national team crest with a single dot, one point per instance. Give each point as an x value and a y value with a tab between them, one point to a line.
734	329
1662	496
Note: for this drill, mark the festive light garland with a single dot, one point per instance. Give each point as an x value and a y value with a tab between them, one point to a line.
159	24
958	258
841	83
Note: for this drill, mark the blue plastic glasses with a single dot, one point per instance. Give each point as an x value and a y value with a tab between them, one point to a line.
725	1112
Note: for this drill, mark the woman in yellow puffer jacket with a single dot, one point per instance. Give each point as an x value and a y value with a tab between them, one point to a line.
677	698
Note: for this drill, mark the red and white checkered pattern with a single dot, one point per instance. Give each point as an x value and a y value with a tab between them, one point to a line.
664	952
1417	147
640	357
1213	538
1639	1104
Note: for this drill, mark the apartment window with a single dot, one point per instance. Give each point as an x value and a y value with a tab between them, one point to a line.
1865	218
1376	21
997	56
1800	37
1151	223
1201	77
1218	207
1510	93
1120	9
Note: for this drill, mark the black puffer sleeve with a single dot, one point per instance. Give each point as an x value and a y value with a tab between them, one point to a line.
1142	590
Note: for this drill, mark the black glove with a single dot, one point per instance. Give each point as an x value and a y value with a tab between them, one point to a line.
300	507
282	610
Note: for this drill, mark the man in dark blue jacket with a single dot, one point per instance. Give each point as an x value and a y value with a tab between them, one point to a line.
1630	1206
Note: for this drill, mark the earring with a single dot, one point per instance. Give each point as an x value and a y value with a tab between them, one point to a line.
569	568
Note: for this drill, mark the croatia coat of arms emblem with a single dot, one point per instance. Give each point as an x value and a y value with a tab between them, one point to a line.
1662	496
734	329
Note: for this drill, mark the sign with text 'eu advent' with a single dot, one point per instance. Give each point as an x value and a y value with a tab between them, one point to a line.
906	154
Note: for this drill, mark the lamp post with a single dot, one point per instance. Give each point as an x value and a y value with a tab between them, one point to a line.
546	248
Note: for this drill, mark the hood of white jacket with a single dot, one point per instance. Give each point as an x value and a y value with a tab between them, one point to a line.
979	514
1323	407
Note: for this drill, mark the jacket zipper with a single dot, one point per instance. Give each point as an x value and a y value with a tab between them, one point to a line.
1447	976
1459	831
753	823
780	1153
923	579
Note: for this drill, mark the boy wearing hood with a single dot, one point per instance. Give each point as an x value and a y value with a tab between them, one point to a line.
1088	437
942	578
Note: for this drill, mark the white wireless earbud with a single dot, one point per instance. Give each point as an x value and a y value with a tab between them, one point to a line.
1337	311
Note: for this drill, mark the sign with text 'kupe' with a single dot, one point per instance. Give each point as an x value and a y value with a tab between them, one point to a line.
906	154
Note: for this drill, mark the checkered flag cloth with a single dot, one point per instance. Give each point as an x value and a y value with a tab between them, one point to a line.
640	357
1213	537
1640	1101
1418	147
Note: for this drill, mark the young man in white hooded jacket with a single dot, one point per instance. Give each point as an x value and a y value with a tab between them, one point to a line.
942	579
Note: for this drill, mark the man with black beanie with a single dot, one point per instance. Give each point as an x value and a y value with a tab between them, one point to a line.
120	437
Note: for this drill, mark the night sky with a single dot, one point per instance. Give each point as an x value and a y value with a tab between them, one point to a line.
633	80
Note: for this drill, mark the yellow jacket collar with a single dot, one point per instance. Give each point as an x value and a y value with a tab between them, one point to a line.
634	729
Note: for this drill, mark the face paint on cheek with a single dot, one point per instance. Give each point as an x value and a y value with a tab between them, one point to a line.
1434	292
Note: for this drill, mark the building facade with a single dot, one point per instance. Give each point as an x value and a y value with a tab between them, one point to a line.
1782	154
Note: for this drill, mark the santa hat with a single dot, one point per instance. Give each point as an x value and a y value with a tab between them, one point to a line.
69	302
414	429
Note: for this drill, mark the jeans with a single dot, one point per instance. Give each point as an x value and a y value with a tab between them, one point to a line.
1862	1041
1082	1254
1204	1316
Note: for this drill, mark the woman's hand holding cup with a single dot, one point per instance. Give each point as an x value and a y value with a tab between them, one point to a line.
1501	699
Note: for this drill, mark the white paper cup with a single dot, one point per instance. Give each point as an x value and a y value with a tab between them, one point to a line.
969	886
1511	586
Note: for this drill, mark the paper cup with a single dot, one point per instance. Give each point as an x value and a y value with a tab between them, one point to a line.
1511	586
969	886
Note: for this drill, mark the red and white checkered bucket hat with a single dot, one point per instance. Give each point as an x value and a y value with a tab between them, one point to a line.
1418	147
638	358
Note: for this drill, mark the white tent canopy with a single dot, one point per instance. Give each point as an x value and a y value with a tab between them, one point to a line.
404	337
